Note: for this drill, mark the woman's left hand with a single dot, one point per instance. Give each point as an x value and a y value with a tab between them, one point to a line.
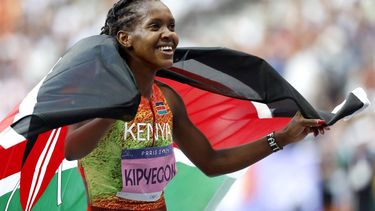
299	127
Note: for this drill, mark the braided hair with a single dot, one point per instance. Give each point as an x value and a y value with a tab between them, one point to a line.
123	15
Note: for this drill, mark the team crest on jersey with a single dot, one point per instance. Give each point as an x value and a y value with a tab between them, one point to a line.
160	108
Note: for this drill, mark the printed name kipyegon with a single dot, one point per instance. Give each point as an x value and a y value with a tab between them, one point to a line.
149	175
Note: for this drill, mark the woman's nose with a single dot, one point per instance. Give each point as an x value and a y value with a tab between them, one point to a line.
167	33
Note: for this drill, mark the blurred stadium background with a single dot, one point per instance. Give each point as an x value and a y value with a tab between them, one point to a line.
325	48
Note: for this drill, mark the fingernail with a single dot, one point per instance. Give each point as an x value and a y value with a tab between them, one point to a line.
316	133
320	122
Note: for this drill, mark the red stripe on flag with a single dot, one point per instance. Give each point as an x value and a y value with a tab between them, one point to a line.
225	121
28	169
160	107
11	159
8	120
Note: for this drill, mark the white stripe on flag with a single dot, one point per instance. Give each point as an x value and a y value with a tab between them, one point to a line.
9	137
37	169
7	184
262	110
28	103
362	96
224	187
181	157
11	195
41	166
66	164
59	200
26	107
238	174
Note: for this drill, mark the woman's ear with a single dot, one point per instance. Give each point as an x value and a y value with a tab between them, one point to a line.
124	38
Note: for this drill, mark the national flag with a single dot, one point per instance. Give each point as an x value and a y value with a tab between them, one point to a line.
208	191
160	108
92	80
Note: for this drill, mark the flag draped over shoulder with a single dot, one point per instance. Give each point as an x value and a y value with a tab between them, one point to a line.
231	96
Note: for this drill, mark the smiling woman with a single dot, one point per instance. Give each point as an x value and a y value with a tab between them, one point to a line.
126	164
150	46
130	177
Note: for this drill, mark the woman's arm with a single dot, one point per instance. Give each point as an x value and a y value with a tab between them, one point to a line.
215	162
83	138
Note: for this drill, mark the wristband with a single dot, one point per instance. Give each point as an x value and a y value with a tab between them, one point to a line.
272	142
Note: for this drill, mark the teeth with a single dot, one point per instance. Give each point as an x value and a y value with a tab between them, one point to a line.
166	48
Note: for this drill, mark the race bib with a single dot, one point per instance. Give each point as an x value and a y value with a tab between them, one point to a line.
146	172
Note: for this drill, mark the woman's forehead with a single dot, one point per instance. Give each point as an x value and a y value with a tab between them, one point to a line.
155	9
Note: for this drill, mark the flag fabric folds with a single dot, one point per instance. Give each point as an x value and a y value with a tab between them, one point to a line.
243	76
231	96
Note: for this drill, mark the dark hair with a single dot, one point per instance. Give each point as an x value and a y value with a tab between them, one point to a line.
123	15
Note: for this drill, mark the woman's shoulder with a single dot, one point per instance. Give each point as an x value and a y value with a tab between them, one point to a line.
162	85
173	98
167	90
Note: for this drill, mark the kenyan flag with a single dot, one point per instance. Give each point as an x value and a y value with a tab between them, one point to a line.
92	81
190	189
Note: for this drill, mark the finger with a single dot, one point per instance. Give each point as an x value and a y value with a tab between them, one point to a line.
306	131
321	130
314	131
298	116
313	122
326	128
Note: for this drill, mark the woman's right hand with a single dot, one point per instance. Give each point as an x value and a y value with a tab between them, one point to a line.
82	138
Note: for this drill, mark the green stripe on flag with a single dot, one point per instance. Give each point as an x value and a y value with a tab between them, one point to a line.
193	190
73	195
189	190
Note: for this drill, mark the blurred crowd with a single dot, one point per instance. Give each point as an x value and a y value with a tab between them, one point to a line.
324	48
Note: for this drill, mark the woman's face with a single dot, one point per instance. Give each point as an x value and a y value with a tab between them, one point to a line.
153	40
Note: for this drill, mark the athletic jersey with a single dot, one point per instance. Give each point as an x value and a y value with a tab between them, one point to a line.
134	161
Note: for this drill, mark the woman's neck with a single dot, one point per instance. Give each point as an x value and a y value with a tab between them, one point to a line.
144	78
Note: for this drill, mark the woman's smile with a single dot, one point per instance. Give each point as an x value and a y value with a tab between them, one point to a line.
167	50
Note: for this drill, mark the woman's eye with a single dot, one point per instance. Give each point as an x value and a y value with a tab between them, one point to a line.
172	27
154	27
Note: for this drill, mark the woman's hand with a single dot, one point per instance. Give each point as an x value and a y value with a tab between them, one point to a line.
194	144
83	137
298	128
